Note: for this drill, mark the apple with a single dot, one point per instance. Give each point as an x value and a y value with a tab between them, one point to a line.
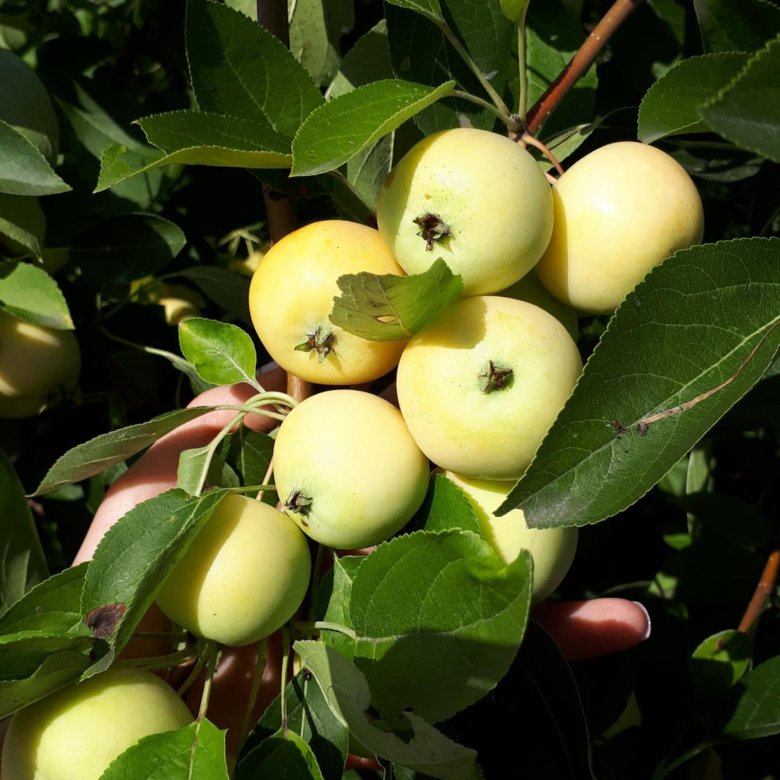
347	469
291	297
552	549
77	732
243	577
619	211
480	385
38	366
472	197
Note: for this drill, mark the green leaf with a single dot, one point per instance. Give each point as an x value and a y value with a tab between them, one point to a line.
446	507
367	61
134	557
240	69
756	703
367	171
331	602
23	222
717	304
23	169
98	454
445	606
514	10
309	716
747	111
22	562
671	105
221	353
55	672
25	105
421	53
226	288
736	25
30	294
387	307
195	752
346	690
286	756
127	247
53	605
337	131
430	9
315	31
22	653
251	453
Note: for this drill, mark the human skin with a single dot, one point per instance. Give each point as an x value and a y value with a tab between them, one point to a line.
486	191
582	629
619	211
291	298
78	731
37	366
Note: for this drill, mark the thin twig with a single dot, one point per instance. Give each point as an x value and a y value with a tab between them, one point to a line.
764	590
528	139
579	63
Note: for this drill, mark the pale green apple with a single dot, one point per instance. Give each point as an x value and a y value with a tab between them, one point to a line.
243	577
480	386
37	366
76	733
472	197
347	469
619	211
552	549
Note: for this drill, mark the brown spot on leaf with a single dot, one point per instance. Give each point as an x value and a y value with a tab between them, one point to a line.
102	621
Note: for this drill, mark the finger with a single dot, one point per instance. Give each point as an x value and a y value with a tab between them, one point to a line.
586	629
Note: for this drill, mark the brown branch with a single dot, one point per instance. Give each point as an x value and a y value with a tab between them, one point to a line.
762	593
579	63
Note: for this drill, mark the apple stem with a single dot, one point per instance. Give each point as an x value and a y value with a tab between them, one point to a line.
509	120
522	66
579	63
211	652
286	648
528	140
257	678
197	668
323	625
159	661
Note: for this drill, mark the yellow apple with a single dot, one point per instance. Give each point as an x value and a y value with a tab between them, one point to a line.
619	211
79	731
472	197
552	549
291	297
38	366
347	469
480	385
243	577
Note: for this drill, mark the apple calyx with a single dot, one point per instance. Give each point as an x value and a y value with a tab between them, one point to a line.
320	341
298	503
495	377
432	228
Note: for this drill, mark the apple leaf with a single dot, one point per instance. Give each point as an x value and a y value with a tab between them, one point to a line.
30	294
514	10
250	454
226	288
639	407
195	751
348	124
671	105
417	744
747	110
55	672
22	562
23	652
53	606
238	68
756	710
446	507
308	715
96	455
438	620
736	25
23	222
387	307
23	169
282	755
331	602
430	9
367	61
134	557
221	353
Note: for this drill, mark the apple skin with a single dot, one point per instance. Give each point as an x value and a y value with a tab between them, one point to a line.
619	211
37	366
243	577
352	455
441	392
79	731
552	549
291	297
487	189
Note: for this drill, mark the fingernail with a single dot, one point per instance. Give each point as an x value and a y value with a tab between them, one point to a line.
647	616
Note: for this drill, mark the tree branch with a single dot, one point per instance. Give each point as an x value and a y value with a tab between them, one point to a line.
764	589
